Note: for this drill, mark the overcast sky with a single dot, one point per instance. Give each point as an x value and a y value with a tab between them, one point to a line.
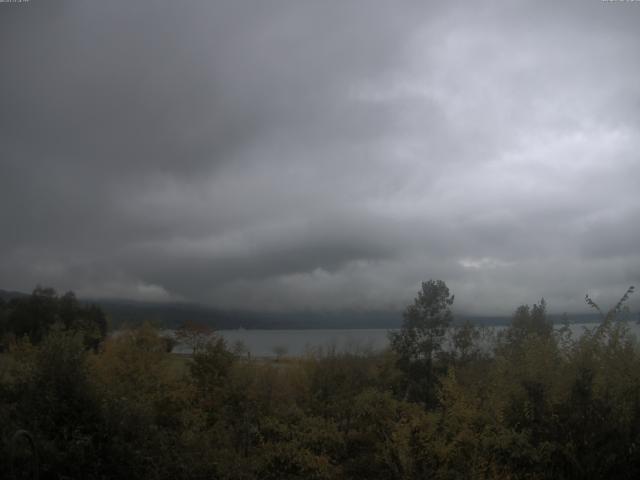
321	154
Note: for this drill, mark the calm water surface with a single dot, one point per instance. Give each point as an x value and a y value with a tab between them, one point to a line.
264	343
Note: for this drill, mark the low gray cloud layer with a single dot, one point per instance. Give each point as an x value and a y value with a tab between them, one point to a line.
331	154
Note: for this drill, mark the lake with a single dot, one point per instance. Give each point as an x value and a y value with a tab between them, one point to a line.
262	343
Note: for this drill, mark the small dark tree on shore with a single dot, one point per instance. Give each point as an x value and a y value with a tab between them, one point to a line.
279	351
196	336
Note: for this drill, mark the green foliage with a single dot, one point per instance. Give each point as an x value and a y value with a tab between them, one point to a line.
533	404
425	323
526	322
420	340
33	316
211	365
466	344
48	392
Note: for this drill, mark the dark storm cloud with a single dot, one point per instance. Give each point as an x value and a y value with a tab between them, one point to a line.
321	154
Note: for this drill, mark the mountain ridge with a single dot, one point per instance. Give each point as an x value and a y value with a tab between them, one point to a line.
122	312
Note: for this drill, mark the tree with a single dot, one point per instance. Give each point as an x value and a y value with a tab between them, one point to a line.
56	402
464	343
421	337
196	336
611	314
34	316
529	321
211	365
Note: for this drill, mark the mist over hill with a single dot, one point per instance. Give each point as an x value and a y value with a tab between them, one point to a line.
7	295
123	312
172	315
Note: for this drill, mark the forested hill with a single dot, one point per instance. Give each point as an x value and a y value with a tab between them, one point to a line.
173	315
7	295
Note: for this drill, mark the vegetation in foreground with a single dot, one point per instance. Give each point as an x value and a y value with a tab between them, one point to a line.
530	403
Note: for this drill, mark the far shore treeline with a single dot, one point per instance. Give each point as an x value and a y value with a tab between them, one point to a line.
172	315
77	403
